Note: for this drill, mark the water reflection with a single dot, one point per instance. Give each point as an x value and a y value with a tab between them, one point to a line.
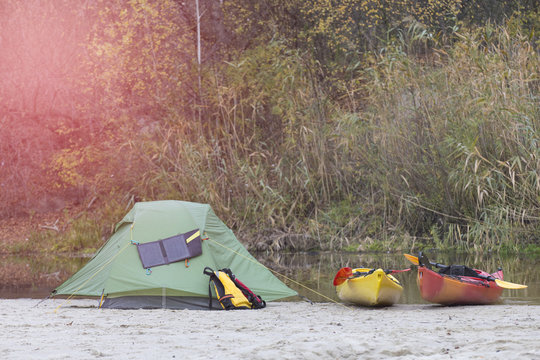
36	276
317	270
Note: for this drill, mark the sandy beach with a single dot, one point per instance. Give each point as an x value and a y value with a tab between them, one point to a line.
283	330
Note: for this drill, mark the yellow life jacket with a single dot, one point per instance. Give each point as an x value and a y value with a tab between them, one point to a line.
231	292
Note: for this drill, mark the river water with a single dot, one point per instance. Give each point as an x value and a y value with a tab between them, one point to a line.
310	274
317	270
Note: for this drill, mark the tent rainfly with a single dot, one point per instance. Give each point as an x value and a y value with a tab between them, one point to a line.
156	258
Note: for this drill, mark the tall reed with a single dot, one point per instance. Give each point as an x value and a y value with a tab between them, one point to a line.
457	139
429	142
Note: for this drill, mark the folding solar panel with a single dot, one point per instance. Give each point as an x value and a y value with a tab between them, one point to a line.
171	249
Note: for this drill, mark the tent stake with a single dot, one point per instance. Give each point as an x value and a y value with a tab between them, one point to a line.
101	300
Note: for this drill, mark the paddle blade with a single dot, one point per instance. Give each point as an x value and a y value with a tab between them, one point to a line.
342	275
413	259
509	285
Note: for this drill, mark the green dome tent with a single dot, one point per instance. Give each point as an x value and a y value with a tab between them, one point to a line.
154	260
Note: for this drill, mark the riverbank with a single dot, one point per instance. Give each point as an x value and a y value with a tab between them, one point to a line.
284	330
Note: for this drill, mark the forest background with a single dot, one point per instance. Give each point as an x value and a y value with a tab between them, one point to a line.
359	125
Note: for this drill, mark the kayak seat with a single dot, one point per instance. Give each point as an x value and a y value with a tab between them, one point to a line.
458	270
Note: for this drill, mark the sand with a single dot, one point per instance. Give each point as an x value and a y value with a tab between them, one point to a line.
283	330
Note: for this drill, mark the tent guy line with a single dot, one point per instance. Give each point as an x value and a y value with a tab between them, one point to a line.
91	277
284	276
97	272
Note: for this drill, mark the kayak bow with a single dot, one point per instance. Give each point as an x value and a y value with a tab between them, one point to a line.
368	287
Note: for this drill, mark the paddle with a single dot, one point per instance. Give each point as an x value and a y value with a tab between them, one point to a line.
499	282
346	273
413	259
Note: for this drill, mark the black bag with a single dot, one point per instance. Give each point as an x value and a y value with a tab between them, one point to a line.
458	270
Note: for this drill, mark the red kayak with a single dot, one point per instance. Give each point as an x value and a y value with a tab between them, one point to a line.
454	289
458	284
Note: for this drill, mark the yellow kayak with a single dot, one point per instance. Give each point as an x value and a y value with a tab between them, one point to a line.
368	287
